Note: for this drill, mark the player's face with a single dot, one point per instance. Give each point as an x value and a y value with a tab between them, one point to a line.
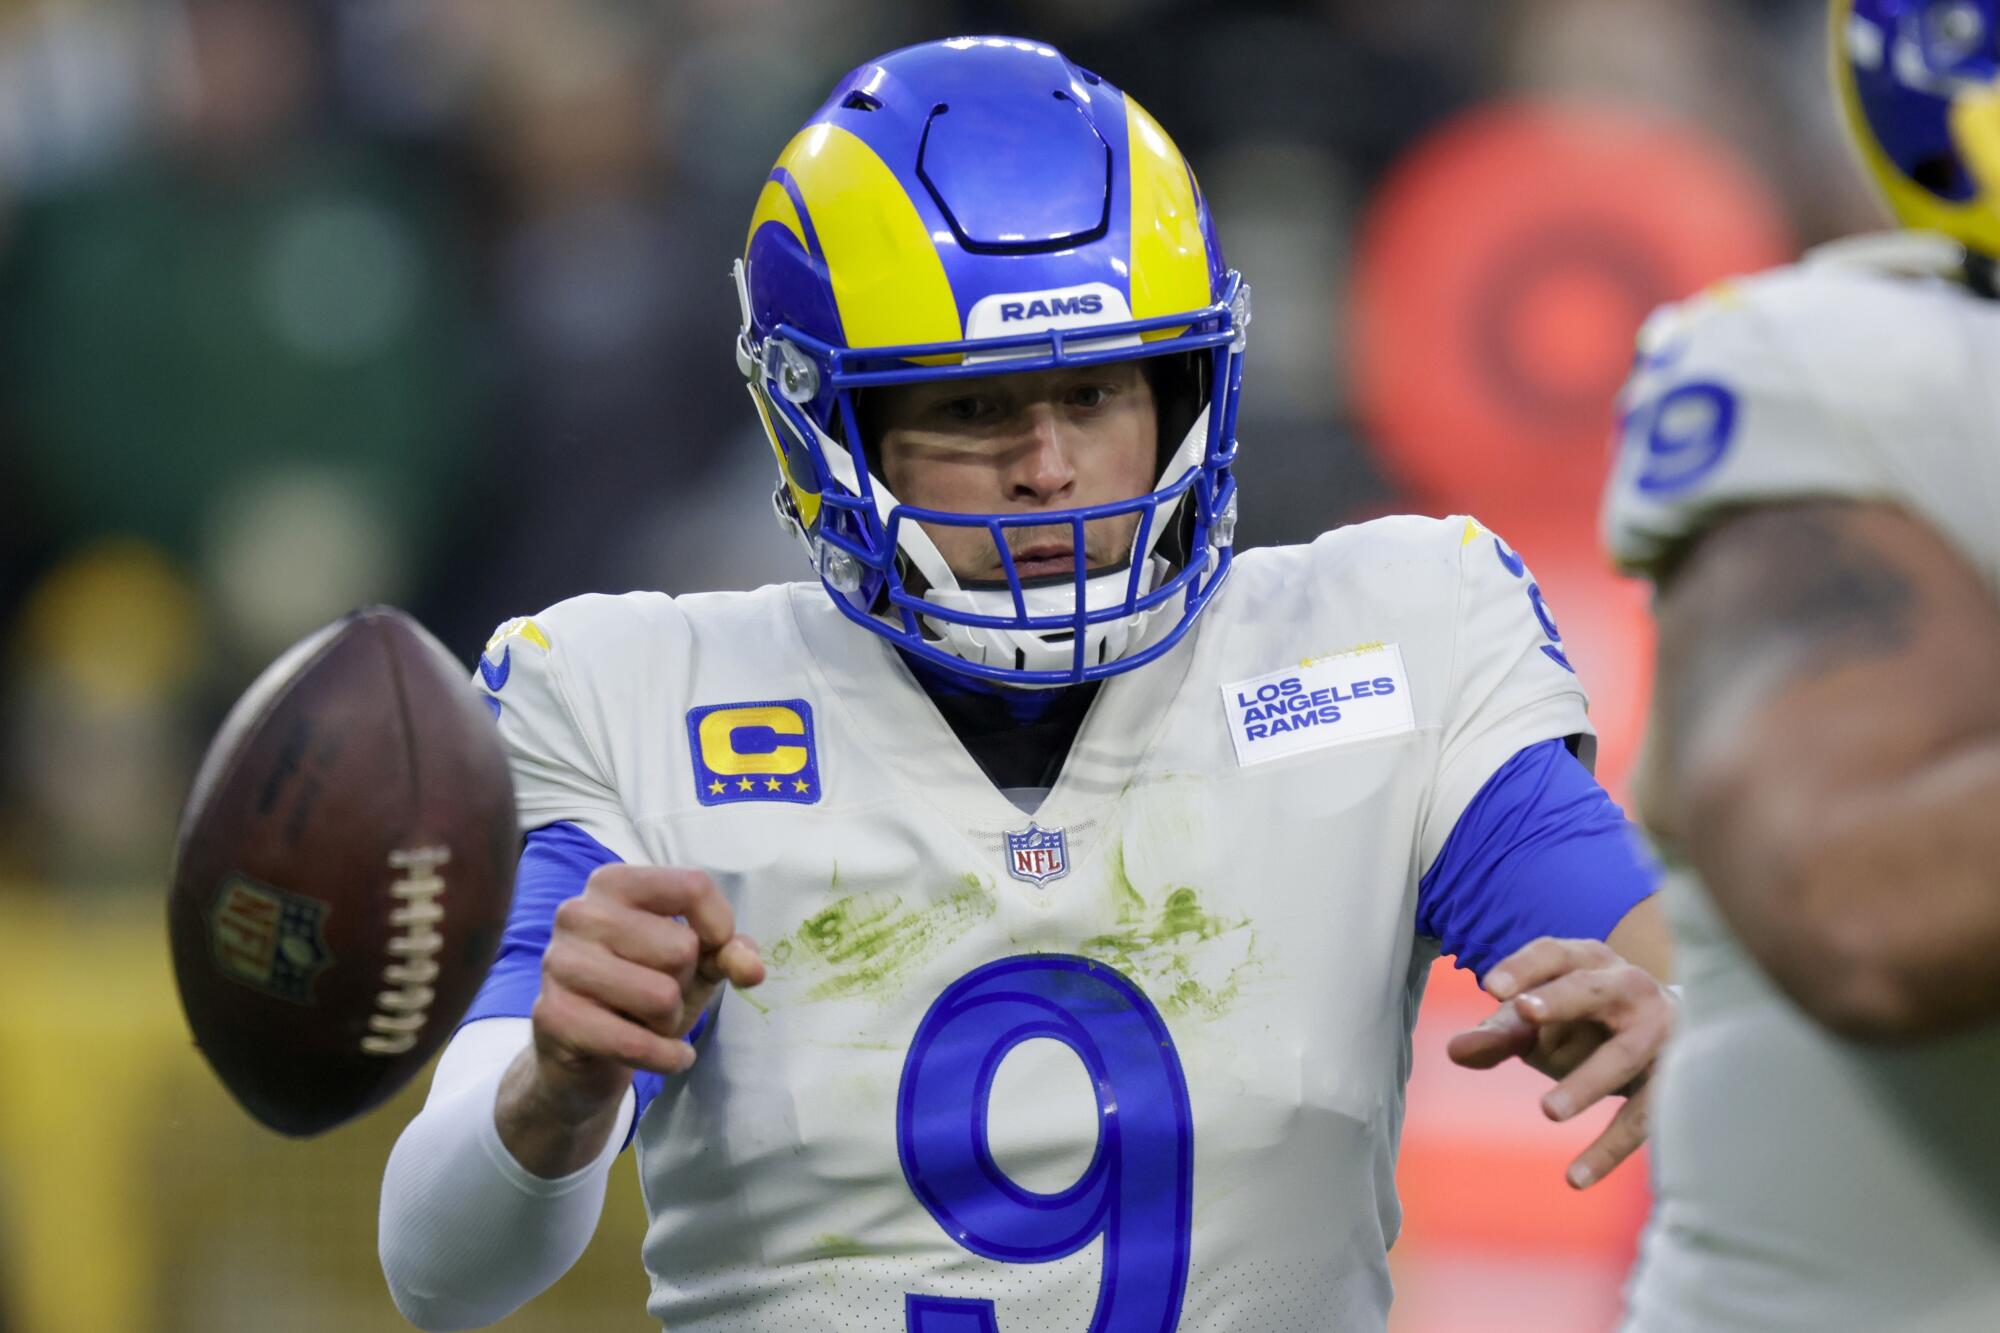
1009	444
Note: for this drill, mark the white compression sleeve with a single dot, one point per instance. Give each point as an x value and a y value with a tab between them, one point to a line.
467	1234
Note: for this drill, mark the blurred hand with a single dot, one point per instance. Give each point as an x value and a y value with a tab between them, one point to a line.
1579	1013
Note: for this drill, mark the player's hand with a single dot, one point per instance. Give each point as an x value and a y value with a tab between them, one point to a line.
1590	1020
631	963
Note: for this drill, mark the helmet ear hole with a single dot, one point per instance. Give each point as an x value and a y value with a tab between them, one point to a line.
1939	175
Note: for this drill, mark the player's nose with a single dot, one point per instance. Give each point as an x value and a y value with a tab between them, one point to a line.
1042	470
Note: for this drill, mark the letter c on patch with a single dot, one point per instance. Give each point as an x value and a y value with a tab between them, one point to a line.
720	730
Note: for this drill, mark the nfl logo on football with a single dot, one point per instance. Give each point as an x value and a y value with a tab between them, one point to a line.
1037	855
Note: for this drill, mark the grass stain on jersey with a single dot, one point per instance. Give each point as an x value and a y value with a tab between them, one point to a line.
1182	916
867	943
1187	960
1125	900
832	1245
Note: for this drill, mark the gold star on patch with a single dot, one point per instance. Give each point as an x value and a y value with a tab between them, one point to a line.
772	784
799	784
745	784
715	789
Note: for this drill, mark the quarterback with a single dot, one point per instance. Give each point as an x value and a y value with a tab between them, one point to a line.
1094	871
1810	473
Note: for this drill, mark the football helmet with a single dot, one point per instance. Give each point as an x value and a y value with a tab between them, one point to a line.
965	208
1917	83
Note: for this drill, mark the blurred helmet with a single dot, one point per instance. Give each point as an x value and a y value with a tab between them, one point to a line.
1917	85
965	208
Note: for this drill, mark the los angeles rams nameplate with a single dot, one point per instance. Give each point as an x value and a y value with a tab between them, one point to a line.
1326	701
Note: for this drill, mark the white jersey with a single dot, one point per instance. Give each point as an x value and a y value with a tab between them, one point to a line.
1804	1182
1202	943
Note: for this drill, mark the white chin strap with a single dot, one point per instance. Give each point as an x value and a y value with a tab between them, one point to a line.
1045	650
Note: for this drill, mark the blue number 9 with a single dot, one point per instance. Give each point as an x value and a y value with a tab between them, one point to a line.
1137	1192
1688	430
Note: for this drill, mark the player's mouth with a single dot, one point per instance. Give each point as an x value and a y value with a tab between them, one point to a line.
1043	560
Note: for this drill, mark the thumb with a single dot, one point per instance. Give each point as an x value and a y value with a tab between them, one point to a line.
1501	1035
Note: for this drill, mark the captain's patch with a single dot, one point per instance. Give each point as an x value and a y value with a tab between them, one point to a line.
754	752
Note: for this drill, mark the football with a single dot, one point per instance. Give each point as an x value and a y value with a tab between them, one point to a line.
342	872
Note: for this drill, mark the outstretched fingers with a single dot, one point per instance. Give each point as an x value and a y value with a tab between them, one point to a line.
1544	960
1619	1140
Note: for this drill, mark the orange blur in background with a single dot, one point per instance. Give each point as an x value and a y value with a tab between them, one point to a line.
1502	271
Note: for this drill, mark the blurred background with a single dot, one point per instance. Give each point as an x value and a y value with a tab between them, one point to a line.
306	305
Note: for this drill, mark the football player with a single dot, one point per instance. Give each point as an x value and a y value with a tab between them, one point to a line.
1810	474
1096	870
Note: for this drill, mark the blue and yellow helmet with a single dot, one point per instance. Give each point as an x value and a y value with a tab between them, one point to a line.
958	209
1917	84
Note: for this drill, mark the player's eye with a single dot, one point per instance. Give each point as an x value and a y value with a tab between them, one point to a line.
965	409
1090	395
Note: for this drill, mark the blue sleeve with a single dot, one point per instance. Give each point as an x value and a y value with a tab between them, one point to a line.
1542	850
556	861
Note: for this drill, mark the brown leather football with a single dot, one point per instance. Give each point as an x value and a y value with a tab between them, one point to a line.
343	872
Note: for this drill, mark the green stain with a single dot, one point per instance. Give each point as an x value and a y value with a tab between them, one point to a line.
832	1245
861	927
1183	916
868	943
1125	900
1172	952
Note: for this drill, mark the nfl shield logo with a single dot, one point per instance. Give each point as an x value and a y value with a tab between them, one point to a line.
268	939
1038	855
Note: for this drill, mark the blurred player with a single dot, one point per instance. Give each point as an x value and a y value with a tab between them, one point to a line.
1097	893
1811	475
